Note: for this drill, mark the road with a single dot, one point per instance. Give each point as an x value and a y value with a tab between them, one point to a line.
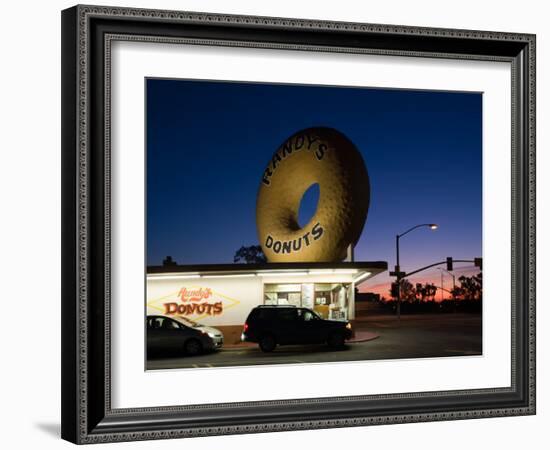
417	336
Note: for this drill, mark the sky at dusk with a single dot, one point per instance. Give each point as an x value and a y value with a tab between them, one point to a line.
208	144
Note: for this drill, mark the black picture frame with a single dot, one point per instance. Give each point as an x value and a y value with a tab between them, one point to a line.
87	415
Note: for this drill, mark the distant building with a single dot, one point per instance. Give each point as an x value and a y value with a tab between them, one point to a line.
367	297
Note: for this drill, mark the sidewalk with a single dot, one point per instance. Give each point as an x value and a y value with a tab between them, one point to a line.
362	336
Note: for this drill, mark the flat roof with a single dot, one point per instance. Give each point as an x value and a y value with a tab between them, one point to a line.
362	270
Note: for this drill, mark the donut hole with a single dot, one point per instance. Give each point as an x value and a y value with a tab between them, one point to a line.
308	204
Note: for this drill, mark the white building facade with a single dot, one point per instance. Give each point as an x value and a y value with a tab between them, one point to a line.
222	296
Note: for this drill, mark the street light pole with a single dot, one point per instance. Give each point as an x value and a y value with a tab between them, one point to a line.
441	285
454	280
398	274
454	288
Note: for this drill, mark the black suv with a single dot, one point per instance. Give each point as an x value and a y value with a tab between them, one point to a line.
270	326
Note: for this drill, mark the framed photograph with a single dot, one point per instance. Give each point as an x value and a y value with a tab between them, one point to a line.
282	224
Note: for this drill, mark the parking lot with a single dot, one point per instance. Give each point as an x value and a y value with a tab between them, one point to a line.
415	336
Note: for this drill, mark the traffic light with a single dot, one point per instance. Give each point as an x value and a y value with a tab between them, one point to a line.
477	262
449	263
395	289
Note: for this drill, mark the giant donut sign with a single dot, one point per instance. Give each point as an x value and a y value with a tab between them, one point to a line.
314	155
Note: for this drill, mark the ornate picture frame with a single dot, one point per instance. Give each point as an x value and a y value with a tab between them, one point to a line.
87	413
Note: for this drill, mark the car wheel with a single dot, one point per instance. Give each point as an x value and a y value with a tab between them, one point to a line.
267	344
193	347
336	340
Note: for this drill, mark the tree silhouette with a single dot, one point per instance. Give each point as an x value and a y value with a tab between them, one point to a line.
407	291
457	292
471	288
431	290
425	292
252	254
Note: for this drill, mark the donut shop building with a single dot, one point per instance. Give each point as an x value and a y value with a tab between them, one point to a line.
222	296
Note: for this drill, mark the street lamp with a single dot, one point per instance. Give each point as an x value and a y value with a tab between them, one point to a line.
454	280
398	273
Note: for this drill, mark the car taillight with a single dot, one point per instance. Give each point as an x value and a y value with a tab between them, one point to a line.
245	327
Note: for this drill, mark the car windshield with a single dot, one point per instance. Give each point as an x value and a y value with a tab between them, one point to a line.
188	322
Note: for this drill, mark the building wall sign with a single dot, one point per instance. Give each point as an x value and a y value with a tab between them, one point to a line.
322	156
194	301
194	294
210	302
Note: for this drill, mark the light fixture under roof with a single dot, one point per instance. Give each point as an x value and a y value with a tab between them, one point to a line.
180	276
362	277
332	271
282	274
230	275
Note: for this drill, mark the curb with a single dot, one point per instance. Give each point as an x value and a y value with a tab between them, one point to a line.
234	347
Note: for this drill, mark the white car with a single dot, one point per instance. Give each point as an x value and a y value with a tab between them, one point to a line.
180	334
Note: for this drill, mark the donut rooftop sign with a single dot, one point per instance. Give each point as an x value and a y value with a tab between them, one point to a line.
322	156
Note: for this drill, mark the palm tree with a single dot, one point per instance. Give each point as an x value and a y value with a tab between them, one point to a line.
471	287
431	290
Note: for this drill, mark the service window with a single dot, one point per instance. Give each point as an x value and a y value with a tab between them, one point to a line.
283	294
323	294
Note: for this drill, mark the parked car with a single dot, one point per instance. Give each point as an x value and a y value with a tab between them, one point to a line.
270	326
180	335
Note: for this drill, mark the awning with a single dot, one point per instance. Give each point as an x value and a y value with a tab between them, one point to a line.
357	271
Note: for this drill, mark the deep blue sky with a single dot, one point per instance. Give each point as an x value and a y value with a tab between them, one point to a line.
209	142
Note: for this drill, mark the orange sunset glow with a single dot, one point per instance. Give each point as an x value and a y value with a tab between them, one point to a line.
381	285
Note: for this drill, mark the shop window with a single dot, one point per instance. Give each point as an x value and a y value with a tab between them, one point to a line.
283	294
331	300
328	300
270	298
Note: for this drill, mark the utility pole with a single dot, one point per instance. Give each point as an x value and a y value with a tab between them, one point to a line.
454	288
451	274
397	273
398	276
441	286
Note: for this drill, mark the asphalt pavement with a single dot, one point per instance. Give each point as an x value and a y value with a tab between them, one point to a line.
415	336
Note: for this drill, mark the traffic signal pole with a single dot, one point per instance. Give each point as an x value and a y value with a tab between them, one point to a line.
398	276
476	263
